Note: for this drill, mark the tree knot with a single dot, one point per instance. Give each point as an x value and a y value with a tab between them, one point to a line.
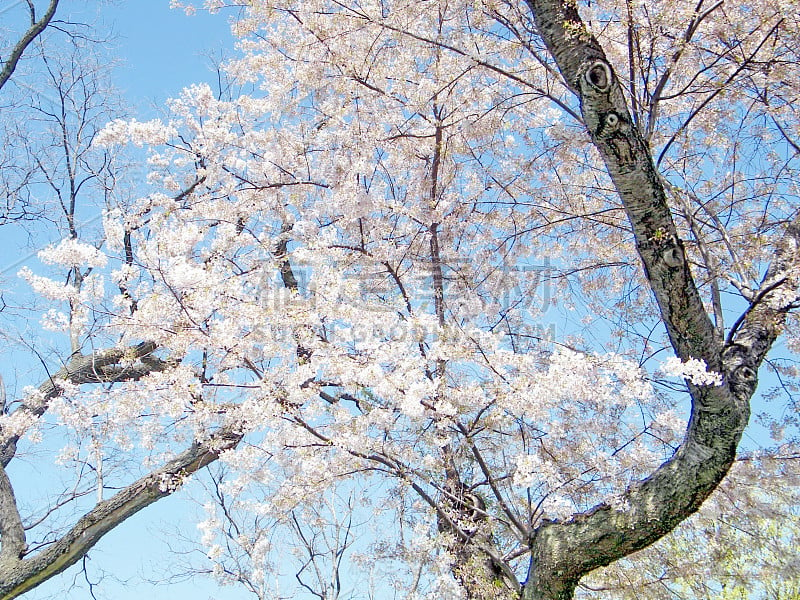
599	76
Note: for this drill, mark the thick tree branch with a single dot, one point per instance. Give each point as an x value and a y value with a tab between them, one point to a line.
756	330
630	165
36	28
19	576
104	366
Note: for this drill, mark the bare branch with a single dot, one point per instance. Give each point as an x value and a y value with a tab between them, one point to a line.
36	28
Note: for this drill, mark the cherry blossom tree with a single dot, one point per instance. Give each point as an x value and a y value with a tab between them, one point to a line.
509	269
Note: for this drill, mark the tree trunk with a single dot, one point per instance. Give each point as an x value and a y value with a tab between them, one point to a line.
478	566
564	551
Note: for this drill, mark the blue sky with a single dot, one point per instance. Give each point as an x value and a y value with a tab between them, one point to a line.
163	50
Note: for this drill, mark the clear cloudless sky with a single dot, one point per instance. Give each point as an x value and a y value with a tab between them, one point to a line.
160	51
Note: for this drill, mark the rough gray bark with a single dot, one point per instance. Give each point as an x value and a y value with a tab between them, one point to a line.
12	533
563	551
479	566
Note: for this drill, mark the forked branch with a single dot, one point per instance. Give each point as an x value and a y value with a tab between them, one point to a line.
563	551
